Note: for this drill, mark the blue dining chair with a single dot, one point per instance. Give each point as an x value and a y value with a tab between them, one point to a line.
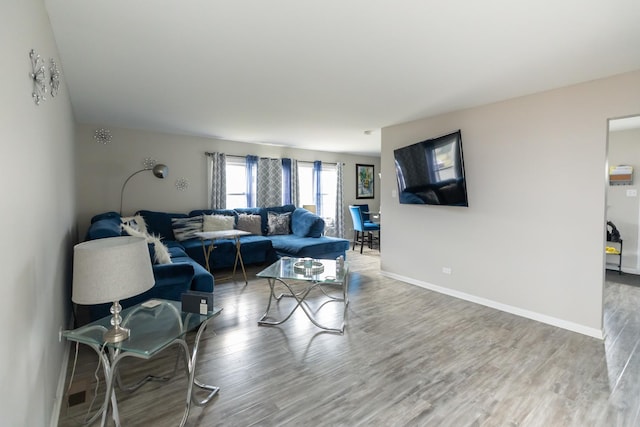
360	228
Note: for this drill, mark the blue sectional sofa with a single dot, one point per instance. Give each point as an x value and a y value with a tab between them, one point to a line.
171	280
186	270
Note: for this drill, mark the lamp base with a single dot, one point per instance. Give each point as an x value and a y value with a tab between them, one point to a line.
116	334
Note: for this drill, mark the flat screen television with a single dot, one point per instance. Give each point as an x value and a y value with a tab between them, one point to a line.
431	172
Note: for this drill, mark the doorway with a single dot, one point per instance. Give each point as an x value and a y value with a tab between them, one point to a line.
623	193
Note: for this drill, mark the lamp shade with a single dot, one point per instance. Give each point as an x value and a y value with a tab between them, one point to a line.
111	269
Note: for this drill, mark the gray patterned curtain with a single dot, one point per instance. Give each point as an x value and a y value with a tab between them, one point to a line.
295	184
269	182
217	182
339	229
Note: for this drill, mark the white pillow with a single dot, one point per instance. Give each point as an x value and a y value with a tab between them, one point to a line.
162	255
218	222
136	222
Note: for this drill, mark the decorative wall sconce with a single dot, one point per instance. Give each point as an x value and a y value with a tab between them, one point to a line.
54	77
103	136
182	184
38	77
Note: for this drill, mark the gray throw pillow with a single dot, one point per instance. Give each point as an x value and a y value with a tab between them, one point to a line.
250	223
279	223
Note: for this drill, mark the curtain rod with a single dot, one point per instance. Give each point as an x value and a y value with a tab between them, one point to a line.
242	157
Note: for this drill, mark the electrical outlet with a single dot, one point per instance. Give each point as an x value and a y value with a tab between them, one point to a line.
446	270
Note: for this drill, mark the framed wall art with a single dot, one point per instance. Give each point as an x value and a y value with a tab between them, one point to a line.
364	182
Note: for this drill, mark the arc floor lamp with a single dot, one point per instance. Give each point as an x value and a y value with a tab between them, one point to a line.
159	171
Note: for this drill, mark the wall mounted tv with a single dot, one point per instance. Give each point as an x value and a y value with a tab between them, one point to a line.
431	172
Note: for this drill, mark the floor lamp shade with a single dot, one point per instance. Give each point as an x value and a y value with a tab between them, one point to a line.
112	269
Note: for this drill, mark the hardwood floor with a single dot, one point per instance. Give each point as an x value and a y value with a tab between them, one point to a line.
409	356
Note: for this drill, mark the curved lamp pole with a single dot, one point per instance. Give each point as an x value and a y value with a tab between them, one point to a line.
159	171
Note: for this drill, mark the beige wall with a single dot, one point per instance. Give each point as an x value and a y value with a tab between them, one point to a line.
622	210
102	169
531	241
37	217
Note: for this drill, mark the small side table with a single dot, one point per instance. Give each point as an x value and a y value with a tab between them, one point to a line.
212	236
152	331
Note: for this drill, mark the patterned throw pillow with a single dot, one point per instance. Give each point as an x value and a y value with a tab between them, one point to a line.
279	223
218	222
184	228
250	223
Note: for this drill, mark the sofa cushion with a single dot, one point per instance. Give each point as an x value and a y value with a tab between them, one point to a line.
106	215
184	228
250	223
105	227
202	280
314	247
254	250
176	251
218	222
279	223
306	224
160	223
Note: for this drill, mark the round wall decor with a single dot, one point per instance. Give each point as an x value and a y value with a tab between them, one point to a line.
103	136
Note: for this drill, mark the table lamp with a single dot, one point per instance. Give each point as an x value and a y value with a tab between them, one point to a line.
109	270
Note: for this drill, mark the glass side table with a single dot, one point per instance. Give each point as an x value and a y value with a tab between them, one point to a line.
152	331
319	273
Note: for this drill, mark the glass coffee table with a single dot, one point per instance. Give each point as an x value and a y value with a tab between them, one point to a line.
152	331
291	273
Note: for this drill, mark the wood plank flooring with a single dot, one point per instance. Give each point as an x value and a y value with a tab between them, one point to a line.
409	357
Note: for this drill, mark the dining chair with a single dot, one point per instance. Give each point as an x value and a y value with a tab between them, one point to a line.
362	228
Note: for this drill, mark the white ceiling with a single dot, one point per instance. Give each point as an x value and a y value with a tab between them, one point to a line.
319	73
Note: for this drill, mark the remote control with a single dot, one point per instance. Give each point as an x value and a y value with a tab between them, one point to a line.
151	303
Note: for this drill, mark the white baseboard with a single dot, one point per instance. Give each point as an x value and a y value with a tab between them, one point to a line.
553	321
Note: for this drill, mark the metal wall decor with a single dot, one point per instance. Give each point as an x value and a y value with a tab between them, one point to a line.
149	162
182	184
38	77
103	136
54	77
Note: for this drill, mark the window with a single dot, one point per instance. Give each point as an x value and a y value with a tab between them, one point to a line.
307	195
328	185
237	179
236	182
